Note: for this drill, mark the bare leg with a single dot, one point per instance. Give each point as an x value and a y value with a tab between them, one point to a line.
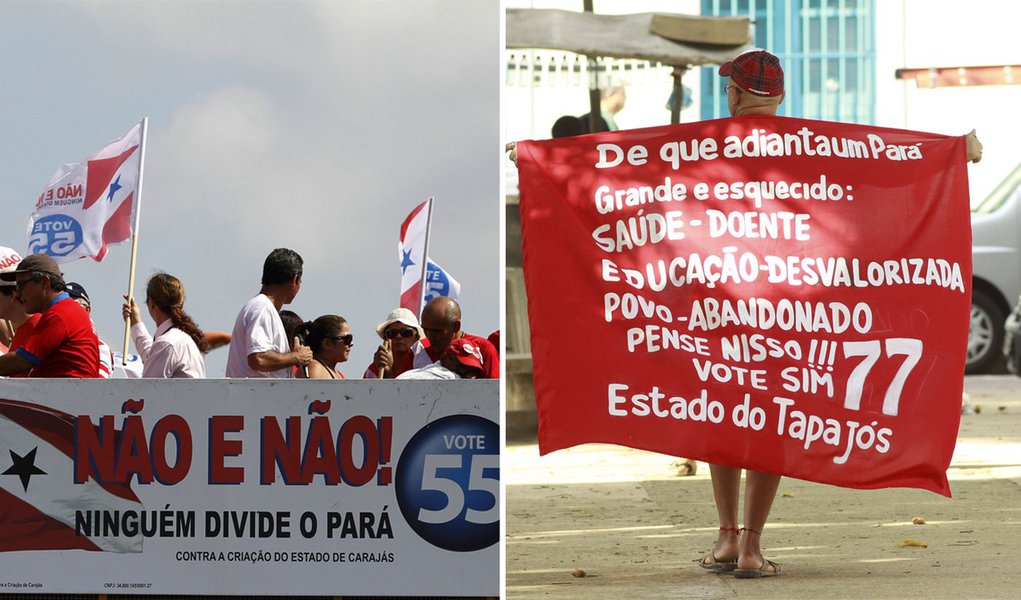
760	489
727	493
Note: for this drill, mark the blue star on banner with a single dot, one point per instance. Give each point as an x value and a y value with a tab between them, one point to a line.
406	262
24	467
114	186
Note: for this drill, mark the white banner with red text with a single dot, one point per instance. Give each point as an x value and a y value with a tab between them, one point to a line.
247	487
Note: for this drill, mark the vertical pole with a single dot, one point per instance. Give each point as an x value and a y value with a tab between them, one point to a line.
594	99
134	235
425	259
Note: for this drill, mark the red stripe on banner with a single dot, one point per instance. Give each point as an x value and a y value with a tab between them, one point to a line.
25	528
118	226
57	429
411	297
100	174
411	217
53	426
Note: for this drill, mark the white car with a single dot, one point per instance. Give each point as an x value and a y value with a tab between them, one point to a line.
1012	341
996	276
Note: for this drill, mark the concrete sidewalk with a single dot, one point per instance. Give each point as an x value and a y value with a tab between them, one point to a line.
635	529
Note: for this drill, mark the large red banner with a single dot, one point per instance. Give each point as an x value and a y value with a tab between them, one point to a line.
783	295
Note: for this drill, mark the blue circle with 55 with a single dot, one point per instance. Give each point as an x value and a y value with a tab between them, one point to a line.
55	235
448	483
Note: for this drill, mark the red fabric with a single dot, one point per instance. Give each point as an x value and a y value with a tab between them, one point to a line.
64	342
26	528
897	209
118	227
23	333
100	174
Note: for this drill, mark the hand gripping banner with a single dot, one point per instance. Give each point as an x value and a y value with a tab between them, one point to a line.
783	295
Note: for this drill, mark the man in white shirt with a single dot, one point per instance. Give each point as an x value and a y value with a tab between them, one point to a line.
258	345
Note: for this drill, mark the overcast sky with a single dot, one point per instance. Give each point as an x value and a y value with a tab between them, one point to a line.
314	126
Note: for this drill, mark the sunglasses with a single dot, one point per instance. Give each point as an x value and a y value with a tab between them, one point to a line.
393	333
347	339
20	285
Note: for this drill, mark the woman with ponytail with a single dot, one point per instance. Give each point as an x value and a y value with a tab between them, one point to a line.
330	339
178	346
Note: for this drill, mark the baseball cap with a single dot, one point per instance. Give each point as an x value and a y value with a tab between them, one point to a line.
466	353
399	315
756	71
9	260
33	262
76	291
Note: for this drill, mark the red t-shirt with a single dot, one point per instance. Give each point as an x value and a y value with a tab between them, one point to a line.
22	334
490	357
64	343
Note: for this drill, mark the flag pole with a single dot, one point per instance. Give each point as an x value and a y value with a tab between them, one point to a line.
425	261
134	237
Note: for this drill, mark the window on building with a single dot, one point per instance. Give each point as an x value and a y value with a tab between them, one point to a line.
828	52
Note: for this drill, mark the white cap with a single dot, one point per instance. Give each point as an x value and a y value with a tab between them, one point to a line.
9	260
400	315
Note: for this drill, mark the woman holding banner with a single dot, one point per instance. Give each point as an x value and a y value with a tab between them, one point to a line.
331	341
177	348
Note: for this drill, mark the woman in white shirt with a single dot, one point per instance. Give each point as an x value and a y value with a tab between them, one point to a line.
178	346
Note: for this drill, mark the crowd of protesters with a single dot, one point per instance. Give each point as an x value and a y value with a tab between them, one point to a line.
46	331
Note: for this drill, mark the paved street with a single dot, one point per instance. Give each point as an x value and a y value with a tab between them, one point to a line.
635	529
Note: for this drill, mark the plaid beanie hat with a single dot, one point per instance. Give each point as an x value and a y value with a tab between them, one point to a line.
756	71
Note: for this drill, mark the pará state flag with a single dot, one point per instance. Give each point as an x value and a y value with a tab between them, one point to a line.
89	205
413	250
39	498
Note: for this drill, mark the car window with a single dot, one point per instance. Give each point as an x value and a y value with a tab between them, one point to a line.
996	198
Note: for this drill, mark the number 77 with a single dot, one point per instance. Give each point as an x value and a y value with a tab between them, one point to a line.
912	348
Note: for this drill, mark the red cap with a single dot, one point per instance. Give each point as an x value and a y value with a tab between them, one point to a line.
756	71
466	353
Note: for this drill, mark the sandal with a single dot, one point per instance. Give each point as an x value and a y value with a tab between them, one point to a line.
684	468
710	562
768	568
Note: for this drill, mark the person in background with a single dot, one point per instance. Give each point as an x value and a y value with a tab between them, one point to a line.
494	339
612	100
258	346
567	126
79	295
64	343
292	321
176	349
402	348
441	322
331	341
